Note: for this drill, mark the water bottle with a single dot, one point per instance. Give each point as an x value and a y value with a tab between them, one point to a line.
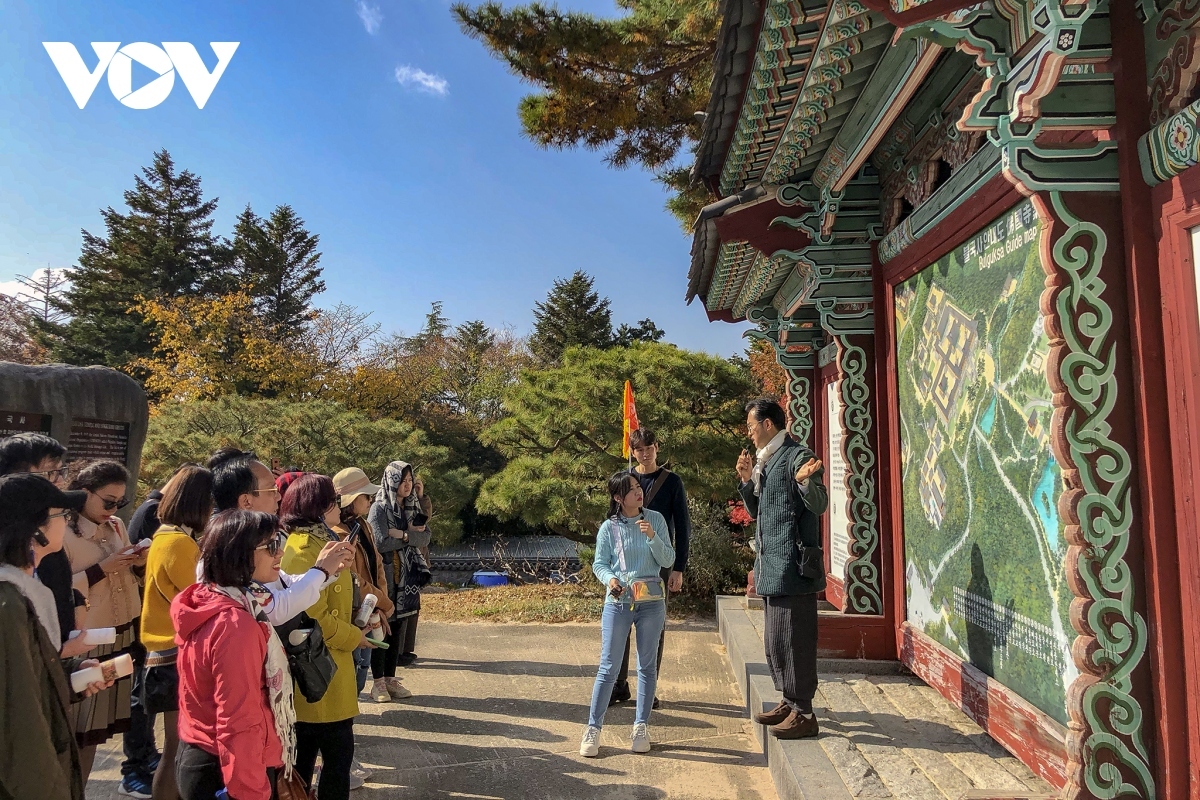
364	611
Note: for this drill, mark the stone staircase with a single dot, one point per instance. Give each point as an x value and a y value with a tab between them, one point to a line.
884	733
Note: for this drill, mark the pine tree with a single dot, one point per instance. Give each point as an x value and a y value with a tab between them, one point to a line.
644	331
435	330
278	264
631	85
162	248
573	314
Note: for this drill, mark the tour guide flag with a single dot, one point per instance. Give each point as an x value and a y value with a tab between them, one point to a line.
631	420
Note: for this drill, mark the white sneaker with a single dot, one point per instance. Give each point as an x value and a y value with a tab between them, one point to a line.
641	738
590	746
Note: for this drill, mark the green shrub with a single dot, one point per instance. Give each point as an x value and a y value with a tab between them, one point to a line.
719	557
316	436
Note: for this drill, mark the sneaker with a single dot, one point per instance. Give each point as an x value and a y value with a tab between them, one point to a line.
358	775
135	786
379	691
590	746
396	689
641	738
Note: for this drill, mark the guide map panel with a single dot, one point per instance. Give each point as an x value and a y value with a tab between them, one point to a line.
983	543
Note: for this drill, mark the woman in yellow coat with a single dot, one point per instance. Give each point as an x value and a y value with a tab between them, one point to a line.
326	727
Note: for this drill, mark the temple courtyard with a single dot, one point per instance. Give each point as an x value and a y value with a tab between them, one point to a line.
499	710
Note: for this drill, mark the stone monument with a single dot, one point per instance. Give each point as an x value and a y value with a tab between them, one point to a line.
96	412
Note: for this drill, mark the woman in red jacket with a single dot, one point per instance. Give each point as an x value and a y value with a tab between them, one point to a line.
236	722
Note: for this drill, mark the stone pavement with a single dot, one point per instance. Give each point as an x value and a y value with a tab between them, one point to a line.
884	733
499	710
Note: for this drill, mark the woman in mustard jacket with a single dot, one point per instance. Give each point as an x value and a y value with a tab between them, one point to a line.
326	727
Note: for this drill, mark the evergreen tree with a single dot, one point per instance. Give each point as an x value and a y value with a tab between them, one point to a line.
630	84
644	331
277	263
435	329
162	248
573	314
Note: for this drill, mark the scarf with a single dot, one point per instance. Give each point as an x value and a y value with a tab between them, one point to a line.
398	513
41	598
763	456
278	676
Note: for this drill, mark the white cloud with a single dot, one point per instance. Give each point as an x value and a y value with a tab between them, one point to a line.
422	81
14	287
370	15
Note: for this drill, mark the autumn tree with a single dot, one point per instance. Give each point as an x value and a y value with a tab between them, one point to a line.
214	347
770	379
277	263
161	248
562	431
15	343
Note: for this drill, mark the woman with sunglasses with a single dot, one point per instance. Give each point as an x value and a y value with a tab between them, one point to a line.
326	727
236	719
102	561
184	513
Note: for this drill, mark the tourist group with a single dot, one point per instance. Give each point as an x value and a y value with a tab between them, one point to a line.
248	606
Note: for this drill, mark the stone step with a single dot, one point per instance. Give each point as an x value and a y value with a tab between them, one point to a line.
884	734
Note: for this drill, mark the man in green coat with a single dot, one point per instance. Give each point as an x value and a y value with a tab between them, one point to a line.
781	486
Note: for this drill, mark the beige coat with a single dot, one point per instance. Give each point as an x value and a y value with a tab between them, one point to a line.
114	600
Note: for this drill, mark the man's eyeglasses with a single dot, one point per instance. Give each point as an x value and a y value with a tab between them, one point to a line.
750	427
51	474
274	489
273	545
112	505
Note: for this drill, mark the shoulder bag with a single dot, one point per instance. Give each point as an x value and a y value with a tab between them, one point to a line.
309	659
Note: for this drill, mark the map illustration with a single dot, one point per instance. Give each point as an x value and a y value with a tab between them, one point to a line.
983	543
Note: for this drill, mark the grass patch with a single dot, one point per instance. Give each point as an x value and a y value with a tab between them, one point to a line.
538	602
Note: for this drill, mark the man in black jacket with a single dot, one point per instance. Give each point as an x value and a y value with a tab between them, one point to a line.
663	491
781	486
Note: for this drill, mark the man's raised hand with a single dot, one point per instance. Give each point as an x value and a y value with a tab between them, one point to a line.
745	466
807	470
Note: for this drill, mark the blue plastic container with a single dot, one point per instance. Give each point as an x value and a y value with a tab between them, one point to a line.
490	579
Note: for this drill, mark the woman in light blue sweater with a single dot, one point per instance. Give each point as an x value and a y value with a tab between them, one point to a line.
632	548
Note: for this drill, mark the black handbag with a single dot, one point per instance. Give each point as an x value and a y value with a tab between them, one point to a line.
310	661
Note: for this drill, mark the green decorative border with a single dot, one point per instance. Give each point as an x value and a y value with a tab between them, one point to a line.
800	406
863	593
1171	146
1112	633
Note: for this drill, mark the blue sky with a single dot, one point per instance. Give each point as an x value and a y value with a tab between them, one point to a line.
390	132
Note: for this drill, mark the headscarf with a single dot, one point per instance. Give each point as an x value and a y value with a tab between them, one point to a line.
399	513
278	676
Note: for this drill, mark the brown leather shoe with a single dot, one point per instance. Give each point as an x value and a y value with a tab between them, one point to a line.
796	726
775	716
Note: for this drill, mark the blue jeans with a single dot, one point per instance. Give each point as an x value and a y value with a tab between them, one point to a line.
647	620
362	666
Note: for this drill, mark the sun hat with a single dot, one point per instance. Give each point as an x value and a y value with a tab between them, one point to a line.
350	483
23	496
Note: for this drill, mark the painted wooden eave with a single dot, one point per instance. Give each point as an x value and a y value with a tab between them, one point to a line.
736	48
